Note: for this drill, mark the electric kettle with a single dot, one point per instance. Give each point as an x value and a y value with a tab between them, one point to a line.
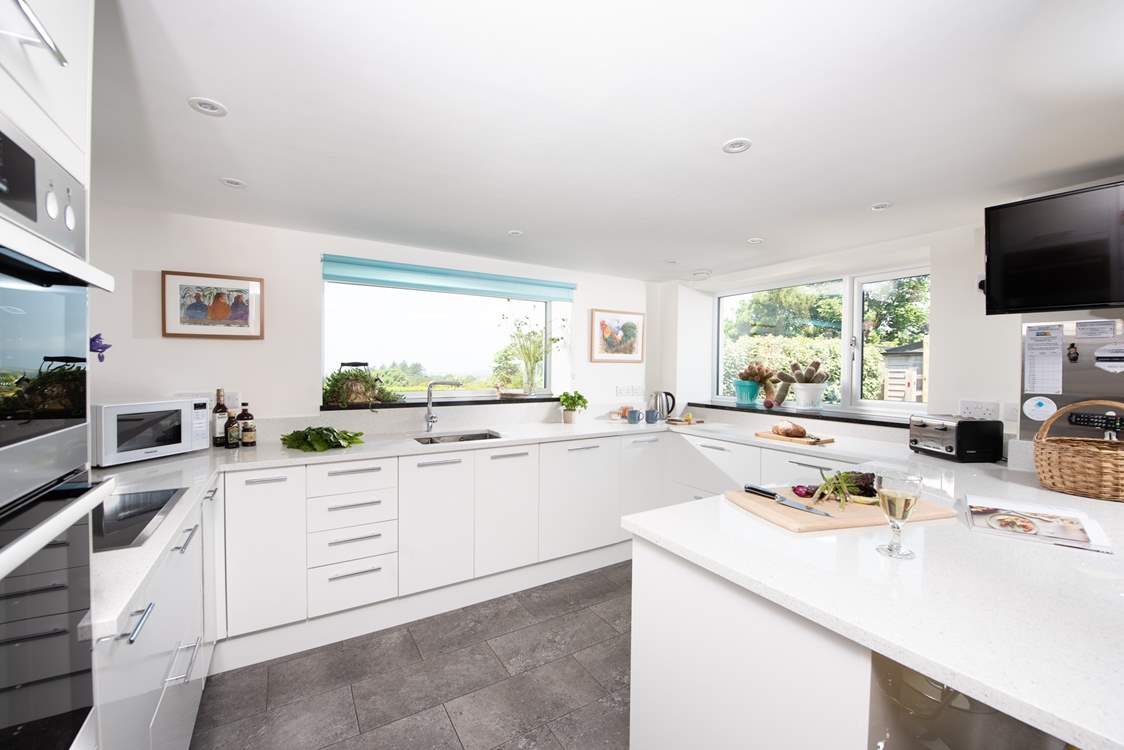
663	402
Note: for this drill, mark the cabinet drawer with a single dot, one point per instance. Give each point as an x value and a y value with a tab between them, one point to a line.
353	509
332	588
352	543
780	467
40	648
352	476
42	594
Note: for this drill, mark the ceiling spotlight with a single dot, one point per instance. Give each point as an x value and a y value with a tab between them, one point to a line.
736	145
233	182
756	240
205	106
700	274
881	205
515	233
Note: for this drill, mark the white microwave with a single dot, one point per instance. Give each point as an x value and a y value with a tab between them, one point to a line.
151	429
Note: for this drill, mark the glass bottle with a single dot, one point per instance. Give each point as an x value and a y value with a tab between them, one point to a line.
247	427
232	431
218	419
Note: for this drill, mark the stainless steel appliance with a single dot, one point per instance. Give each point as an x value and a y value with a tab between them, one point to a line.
663	402
149	429
960	439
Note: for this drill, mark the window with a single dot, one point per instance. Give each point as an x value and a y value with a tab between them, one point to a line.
412	325
869	333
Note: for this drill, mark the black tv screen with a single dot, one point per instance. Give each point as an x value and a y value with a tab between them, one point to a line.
1060	252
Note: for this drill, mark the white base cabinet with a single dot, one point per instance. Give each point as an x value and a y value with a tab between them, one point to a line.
779	467
266	563
579	500
507	509
435	520
642	475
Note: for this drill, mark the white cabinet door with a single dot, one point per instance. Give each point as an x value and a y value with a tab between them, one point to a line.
781	467
579	499
266	569
62	92
714	465
642	474
213	532
507	508
675	493
435	520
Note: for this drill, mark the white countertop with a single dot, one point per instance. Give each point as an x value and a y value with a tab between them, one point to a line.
1035	630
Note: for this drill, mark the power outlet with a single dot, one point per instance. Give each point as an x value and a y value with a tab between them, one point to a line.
979	409
629	391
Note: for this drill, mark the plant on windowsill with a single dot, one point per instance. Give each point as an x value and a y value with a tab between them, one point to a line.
808	383
524	355
355	385
571	402
752	381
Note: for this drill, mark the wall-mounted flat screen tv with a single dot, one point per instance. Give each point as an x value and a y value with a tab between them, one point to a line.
1059	252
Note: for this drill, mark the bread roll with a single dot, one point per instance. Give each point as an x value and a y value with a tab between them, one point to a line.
789	429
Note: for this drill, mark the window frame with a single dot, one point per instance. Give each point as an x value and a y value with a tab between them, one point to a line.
460	394
850	389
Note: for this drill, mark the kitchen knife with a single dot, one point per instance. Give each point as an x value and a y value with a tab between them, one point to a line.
754	489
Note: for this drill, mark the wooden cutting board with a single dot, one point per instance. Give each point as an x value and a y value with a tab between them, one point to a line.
800	440
854	516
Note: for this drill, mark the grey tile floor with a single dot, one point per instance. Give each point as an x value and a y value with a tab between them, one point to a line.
542	669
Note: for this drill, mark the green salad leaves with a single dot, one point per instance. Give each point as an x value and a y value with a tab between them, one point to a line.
320	439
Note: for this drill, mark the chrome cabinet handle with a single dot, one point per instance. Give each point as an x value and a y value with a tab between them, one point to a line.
341	576
425	464
45	38
145	614
354	505
714	447
211	493
646	440
190	535
33	636
190	663
584	448
346	472
812	466
364	538
520	454
267	480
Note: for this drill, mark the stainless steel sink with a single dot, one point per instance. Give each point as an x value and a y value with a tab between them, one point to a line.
457	437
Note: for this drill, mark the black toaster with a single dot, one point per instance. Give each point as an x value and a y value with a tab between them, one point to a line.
961	439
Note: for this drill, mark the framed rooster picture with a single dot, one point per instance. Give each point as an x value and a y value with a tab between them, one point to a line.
616	336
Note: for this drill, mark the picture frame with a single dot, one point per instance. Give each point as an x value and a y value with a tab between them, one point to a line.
211	305
616	336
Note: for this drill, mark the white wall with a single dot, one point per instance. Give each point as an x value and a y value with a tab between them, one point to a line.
683	326
280	375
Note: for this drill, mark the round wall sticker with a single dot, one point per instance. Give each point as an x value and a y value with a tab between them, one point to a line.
1039	408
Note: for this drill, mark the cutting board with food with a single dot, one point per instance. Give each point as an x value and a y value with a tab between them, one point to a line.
790	432
860	509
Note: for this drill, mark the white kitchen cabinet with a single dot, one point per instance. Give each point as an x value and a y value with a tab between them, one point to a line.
266	566
62	92
781	467
507	508
352	543
435	520
714	465
579	499
675	493
642	474
213	532
352	509
147	693
352	476
334	588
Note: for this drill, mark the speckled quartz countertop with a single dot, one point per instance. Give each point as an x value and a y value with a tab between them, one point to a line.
1035	630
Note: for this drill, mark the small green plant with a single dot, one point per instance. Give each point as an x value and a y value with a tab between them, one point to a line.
320	439
573	401
355	385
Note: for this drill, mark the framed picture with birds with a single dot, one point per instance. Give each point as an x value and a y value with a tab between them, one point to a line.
212	305
616	336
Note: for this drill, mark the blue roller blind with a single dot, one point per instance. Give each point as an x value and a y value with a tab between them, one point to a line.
405	276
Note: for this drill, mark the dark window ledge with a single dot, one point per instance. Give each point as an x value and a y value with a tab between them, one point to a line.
443	402
828	415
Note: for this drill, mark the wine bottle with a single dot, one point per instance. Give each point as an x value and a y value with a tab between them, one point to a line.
247	427
232	431
218	419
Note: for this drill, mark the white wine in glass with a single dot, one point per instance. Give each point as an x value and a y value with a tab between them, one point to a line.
897	497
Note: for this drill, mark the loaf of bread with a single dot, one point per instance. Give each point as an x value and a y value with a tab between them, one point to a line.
789	429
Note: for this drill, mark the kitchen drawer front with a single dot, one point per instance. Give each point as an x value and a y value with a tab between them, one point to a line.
70	548
41	594
333	588
352	509
352	543
352	476
719	465
780	467
41	647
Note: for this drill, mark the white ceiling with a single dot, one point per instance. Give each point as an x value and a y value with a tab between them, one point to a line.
596	127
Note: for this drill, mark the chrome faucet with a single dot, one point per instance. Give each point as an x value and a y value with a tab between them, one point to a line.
430	417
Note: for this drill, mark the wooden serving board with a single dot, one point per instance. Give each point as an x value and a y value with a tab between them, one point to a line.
801	441
854	516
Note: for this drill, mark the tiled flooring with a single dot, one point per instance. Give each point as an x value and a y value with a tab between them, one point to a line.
543	669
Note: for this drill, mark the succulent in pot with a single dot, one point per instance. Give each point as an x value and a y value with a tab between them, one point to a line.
807	383
571	402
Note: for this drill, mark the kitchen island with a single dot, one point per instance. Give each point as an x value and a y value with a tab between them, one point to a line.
746	635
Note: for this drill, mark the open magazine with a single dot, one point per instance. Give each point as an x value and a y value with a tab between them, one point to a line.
1039	523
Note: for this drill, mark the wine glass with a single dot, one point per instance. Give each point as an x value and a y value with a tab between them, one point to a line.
897	496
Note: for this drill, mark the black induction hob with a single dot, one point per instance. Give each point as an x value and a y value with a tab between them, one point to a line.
126	520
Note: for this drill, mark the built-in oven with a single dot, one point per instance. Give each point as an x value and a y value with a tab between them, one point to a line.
151	429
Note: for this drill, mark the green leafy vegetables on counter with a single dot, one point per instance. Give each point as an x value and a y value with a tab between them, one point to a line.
320	439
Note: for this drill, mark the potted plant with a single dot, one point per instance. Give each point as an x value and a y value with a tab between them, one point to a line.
807	383
355	385
571	402
754	380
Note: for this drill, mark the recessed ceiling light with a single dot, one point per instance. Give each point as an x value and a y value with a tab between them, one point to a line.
233	182
881	205
515	233
756	240
736	145
700	274
205	106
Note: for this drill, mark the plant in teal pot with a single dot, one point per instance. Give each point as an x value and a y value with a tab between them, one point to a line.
753	382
